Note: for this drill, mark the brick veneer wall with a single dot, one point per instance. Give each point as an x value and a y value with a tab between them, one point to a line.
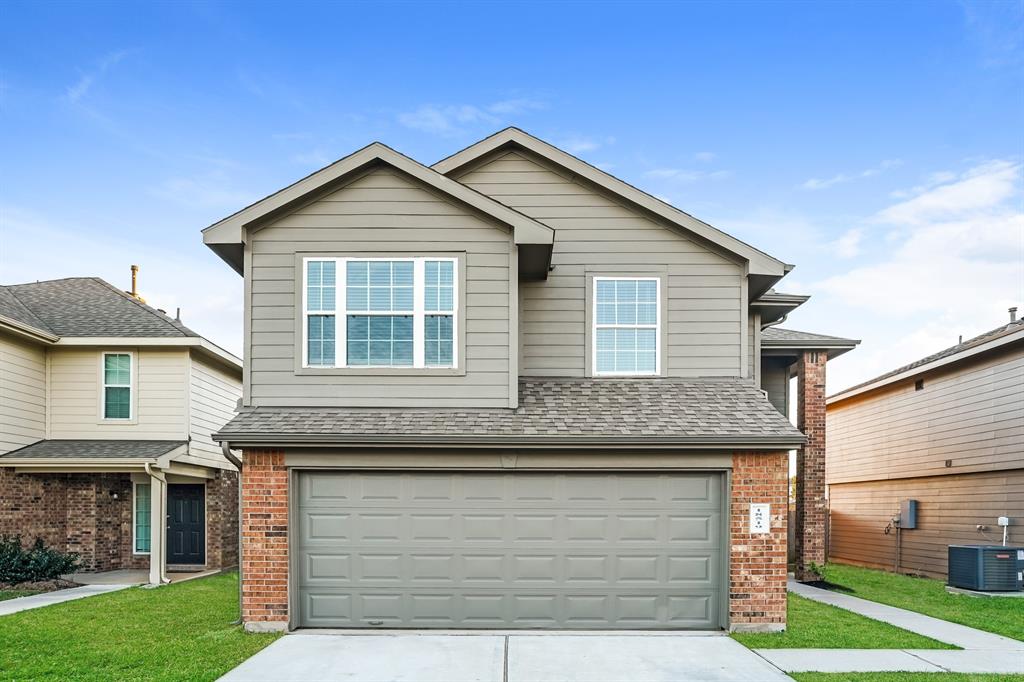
757	562
264	540
91	514
811	508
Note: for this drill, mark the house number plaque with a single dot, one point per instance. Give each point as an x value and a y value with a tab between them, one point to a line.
760	518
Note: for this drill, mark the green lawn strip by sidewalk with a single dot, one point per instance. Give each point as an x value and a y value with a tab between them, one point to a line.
175	632
1001	615
904	677
14	594
813	625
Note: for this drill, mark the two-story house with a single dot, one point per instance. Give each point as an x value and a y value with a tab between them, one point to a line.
946	431
107	408
512	391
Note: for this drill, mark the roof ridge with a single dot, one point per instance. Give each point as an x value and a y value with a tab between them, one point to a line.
163	317
42	325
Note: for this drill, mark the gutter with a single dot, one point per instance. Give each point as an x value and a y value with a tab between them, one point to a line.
449	440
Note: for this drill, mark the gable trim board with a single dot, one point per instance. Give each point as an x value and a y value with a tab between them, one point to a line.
760	263
227	236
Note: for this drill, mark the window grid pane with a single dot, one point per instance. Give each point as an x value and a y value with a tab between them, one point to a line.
142	517
380	340
320	335
439	286
321	286
438	341
626	319
379	286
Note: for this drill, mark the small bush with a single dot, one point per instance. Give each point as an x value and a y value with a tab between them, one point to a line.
37	563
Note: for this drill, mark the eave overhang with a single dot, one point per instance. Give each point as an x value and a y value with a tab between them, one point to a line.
752	442
27	331
227	237
775	306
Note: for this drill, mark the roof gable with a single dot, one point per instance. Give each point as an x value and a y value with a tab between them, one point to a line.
227	236
759	263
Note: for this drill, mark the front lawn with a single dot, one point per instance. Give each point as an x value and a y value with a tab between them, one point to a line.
175	632
813	625
14	594
904	677
1001	615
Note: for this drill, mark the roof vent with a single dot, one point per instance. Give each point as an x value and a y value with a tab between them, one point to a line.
1013	314
134	293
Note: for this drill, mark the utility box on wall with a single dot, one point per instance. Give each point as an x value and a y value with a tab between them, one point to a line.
908	514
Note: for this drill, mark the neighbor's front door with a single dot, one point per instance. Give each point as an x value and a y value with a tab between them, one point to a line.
186	524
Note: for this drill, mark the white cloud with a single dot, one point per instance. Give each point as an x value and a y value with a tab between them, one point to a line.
186	276
685	175
455	119
705	157
841	178
951	262
75	92
848	245
209	190
580	143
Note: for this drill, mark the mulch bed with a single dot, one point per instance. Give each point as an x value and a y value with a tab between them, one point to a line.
40	585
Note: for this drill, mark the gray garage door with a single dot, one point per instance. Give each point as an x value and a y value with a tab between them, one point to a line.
476	550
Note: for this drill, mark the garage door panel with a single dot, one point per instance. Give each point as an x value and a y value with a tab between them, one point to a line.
509	550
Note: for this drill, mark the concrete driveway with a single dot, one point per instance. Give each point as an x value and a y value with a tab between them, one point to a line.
495	657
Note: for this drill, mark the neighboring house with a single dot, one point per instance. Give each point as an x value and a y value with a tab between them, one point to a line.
107	407
947	431
510	391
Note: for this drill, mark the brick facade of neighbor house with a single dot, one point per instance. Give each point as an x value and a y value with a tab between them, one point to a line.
811	506
265	540
757	562
91	514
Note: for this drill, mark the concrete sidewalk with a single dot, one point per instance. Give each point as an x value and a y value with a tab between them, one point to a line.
983	652
36	601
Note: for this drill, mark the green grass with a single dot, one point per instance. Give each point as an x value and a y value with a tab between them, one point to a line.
813	625
1001	615
176	632
14	594
904	677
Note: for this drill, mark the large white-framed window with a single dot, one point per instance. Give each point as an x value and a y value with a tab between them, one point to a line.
117	372
627	326
386	312
141	519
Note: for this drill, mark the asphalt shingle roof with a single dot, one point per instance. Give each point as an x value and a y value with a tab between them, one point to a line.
552	410
89	449
14	309
990	335
778	335
88	306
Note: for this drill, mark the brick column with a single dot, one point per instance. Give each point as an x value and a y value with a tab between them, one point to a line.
264	541
811	508
757	561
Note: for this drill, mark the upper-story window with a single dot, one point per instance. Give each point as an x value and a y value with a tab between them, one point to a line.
380	312
627	326
117	386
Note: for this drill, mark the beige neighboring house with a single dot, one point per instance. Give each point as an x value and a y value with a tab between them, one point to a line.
107	407
510	390
947	431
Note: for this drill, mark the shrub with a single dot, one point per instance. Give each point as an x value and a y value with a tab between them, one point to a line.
37	563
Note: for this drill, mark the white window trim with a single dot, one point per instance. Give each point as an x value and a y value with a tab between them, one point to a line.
341	312
595	326
135	512
130	386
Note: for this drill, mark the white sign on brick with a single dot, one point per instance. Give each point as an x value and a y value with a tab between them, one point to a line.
760	518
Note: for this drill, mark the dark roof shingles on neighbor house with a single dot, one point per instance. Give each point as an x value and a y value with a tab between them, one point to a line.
551	410
777	335
95	449
88	306
979	340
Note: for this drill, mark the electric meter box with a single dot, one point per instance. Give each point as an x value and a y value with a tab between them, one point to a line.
908	514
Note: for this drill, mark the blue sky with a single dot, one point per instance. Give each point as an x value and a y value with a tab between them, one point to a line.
878	146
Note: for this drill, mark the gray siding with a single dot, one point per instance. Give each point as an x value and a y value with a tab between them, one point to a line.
214	394
971	414
160	397
22	393
382	211
775	381
597	234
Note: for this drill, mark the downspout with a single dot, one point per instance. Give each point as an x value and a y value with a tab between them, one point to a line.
158	544
230	456
776	322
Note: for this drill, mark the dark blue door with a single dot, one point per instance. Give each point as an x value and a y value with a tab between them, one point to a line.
186	524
